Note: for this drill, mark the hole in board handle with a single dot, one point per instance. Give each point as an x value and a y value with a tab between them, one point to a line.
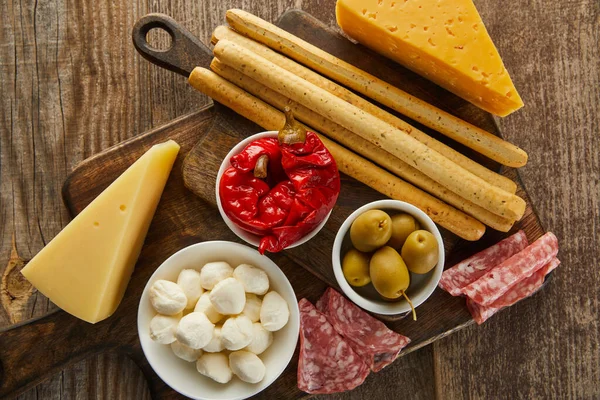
159	39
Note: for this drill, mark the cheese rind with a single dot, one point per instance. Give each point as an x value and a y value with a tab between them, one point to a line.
444	41
85	269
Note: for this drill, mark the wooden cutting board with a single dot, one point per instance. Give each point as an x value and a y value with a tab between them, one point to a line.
32	351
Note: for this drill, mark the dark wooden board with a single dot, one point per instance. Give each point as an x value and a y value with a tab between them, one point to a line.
57	340
441	313
183	218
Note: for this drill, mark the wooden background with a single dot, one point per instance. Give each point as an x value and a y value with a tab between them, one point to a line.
73	85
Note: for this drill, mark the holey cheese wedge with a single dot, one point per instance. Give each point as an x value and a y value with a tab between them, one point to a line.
442	40
85	269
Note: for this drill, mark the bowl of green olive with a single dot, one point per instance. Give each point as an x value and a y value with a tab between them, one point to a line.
388	257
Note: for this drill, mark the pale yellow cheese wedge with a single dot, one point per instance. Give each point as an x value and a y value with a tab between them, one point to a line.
442	40
85	269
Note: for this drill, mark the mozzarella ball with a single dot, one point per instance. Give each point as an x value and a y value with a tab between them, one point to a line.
228	297
184	352
167	297
215	366
189	281
213	273
216	343
274	312
255	280
195	330
247	366
162	328
252	307
261	339
237	332
205	306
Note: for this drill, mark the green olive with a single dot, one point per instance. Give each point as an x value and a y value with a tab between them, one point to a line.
355	267
420	252
389	274
402	226
371	230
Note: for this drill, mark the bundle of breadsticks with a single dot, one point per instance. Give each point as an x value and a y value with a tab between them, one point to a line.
259	69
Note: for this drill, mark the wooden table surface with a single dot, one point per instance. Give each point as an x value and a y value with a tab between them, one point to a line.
72	85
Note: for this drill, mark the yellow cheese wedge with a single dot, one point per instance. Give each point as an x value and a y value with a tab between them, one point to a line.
442	40
85	269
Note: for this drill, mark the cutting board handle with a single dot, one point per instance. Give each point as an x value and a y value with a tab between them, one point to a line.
185	52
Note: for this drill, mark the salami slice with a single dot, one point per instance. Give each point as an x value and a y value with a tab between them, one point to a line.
468	271
495	283
521	290
370	338
327	363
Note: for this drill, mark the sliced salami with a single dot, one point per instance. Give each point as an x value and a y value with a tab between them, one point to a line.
519	291
327	363
370	338
495	283
468	271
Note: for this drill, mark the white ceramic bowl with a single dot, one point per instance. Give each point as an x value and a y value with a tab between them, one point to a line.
246	236
421	286
181	375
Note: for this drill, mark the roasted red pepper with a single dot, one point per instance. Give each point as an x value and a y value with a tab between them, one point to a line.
281	189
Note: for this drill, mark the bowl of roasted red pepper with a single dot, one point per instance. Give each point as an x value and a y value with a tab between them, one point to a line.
275	190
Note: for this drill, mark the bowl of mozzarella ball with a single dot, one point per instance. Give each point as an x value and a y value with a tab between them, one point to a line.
217	320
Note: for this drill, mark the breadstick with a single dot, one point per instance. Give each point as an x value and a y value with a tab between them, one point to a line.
269	118
471	136
378	132
390	185
357	144
223	32
232	97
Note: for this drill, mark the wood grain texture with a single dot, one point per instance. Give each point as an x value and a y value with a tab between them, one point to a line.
552	50
72	86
